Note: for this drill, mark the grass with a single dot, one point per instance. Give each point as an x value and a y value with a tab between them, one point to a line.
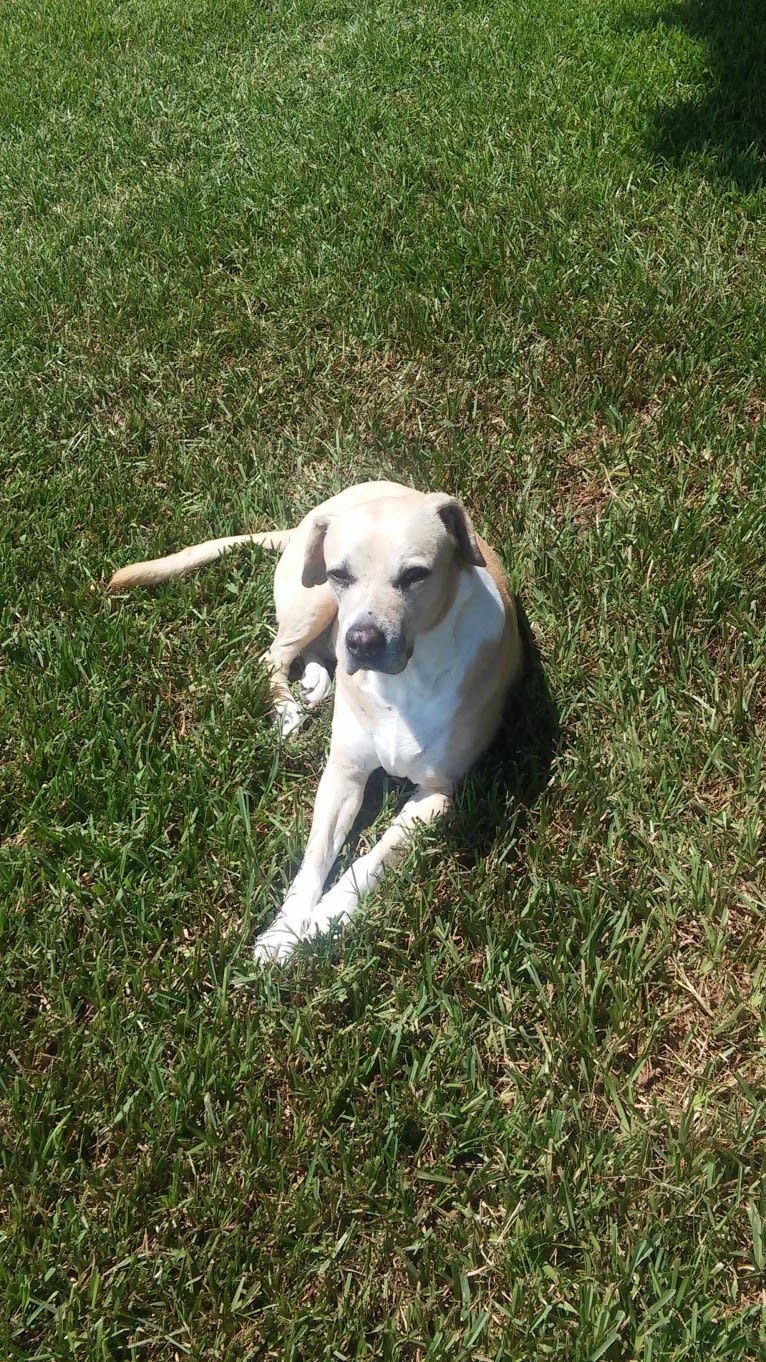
249	254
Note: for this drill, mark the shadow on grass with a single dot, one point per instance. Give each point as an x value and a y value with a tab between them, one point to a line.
728	122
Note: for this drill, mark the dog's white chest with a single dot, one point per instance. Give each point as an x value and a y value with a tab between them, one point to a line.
412	728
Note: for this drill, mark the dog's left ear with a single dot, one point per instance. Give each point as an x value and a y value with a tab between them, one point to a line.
458	522
314	571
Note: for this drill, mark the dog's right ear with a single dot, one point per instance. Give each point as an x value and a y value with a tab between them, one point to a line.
314	571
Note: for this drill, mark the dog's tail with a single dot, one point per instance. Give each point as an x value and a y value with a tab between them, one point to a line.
176	564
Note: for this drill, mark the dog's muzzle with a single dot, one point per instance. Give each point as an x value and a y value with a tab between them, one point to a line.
368	649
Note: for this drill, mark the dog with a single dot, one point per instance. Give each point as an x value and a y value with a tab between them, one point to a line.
394	591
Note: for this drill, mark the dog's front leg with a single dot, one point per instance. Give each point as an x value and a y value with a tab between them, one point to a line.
338	800
340	902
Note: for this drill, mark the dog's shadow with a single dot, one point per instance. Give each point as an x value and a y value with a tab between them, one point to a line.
506	783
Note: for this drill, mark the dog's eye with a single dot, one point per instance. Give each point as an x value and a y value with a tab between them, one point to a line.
411	576
340	577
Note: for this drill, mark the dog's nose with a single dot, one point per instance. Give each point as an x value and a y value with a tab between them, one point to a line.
364	641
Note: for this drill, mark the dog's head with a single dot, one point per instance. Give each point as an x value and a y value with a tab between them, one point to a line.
393	566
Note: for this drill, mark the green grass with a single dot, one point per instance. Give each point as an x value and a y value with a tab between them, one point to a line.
250	253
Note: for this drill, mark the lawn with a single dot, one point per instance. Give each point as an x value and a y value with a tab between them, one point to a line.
250	252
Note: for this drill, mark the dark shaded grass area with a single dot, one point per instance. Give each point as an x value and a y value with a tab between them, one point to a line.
723	119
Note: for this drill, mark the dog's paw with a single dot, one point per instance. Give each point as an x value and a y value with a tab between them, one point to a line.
288	717
336	906
290	926
315	684
277	943
272	949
